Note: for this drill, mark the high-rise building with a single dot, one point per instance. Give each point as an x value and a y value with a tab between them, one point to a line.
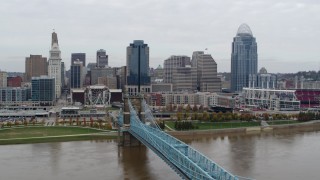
54	64
35	66
122	77
91	66
244	58
3	79
207	79
138	60
76	76
63	72
95	73
43	90
172	63
78	56
102	58
183	78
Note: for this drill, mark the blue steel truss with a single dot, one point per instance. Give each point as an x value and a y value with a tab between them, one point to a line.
188	162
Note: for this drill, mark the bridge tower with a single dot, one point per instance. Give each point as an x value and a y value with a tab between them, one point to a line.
128	139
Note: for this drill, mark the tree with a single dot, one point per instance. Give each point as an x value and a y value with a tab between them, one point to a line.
100	123
84	122
205	116
25	122
179	116
91	122
188	108
9	124
195	108
162	125
266	116
220	116
201	108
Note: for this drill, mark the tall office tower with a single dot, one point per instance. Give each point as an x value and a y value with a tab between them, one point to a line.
172	63
3	79
207	79
54	64
195	56
95	73
244	58
138	60
78	56
184	78
122	77
63	72
76	76
102	58
91	66
35	66
43	90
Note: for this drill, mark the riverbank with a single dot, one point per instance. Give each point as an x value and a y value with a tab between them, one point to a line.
43	134
26	135
258	129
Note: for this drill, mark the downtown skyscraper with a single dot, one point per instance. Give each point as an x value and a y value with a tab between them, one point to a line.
102	58
54	64
244	58
138	60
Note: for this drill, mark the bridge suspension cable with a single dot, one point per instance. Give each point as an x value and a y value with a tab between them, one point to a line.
190	163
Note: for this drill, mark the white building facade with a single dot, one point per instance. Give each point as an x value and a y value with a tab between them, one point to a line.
54	64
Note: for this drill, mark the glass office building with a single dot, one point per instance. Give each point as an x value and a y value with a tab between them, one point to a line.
138	54
76	77
43	89
244	58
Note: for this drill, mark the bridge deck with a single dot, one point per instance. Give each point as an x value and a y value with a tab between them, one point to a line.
185	160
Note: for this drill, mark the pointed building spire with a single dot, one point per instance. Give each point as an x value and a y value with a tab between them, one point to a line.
54	38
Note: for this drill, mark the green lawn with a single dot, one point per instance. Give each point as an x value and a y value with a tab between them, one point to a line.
278	122
42	135
27	132
220	125
224	125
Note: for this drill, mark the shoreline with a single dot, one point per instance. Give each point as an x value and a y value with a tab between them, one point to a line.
58	138
306	126
245	130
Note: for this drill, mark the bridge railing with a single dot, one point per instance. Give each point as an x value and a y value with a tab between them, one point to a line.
191	162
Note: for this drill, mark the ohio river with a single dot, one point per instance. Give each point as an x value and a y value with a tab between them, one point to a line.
285	154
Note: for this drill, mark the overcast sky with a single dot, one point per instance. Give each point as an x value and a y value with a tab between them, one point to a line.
287	31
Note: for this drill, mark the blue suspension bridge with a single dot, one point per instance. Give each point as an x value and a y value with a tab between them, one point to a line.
183	159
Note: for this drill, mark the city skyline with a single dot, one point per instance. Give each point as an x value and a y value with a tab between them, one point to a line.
287	36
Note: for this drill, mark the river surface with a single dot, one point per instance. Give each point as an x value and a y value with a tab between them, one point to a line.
278	155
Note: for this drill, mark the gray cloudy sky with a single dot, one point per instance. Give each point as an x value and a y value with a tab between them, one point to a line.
287	31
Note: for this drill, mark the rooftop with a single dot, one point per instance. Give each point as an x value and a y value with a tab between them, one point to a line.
244	29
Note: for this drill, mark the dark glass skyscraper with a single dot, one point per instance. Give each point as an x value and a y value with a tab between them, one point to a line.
76	77
138	54
78	56
244	58
102	58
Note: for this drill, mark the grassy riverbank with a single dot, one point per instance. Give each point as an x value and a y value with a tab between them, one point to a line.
49	134
226	125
